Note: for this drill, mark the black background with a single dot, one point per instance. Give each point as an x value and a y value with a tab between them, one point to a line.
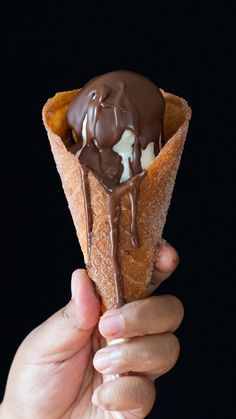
185	48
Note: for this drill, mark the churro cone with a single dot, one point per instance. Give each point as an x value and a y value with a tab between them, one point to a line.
155	190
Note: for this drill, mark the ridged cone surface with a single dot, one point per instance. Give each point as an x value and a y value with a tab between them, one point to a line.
153	201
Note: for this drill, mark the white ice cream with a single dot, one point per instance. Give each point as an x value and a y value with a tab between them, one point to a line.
124	147
84	135
147	155
125	150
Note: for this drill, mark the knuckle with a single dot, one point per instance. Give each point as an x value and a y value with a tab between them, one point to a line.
132	393
67	314
178	310
123	357
148	396
147	317
173	350
137	317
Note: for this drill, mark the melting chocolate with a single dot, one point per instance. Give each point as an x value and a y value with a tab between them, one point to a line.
97	118
87	205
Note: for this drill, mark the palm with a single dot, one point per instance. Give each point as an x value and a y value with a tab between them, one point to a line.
76	380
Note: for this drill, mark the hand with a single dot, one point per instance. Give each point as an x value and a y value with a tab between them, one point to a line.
55	373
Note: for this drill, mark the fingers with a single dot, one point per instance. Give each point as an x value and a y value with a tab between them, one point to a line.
133	394
63	334
145	317
153	355
166	262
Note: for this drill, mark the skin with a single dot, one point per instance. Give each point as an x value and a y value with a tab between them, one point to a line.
58	370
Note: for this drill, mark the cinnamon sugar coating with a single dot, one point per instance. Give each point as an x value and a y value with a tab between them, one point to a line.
152	206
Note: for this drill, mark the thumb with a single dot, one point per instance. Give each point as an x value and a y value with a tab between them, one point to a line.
66	332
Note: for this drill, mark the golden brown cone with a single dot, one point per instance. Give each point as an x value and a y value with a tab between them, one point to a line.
153	201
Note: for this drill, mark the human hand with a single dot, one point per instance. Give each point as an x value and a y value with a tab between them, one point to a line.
58	370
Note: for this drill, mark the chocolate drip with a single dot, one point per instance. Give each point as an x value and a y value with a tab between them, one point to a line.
87	206
113	103
133	195
135	164
113	215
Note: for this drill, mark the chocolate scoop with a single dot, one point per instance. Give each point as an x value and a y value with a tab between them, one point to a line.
115	128
103	111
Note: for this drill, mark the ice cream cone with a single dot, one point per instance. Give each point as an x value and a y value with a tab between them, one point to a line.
154	197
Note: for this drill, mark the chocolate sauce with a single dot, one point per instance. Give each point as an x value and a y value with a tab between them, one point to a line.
113	215
87	205
113	103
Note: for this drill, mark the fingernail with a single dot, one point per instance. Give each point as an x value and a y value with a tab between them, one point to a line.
95	399
73	287
111	324
117	415
102	360
107	359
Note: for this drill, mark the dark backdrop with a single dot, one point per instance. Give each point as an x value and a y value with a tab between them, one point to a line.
186	48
